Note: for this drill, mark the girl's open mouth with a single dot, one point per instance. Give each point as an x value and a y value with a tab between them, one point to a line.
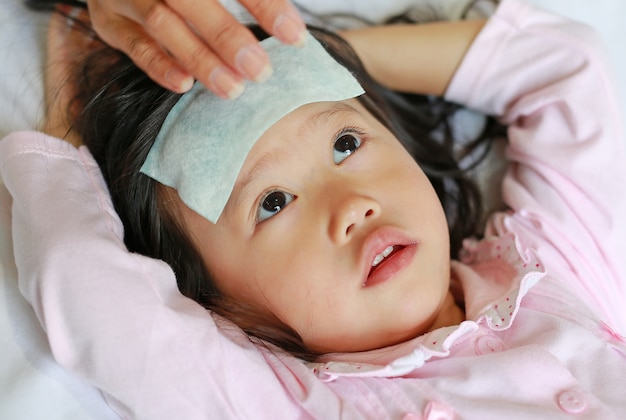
381	258
389	262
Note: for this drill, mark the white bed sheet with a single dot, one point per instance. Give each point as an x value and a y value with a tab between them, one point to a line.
32	385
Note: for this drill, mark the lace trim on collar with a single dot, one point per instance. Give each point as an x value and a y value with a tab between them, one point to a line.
496	265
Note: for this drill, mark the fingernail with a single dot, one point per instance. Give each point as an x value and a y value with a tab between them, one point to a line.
290	29
225	83
253	62
178	80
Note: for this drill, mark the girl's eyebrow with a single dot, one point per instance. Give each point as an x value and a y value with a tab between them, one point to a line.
323	116
265	162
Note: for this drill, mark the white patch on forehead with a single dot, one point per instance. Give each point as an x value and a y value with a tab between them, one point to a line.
204	140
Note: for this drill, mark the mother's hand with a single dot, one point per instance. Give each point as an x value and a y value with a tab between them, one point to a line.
175	41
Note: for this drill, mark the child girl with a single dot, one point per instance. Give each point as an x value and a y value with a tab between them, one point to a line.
335	237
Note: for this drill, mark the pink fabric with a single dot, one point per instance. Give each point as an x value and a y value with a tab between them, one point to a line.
542	340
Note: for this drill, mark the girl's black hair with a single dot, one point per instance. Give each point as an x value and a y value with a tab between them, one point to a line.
122	112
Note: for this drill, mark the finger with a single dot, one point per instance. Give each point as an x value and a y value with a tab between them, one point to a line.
279	18
233	43
147	54
192	54
129	37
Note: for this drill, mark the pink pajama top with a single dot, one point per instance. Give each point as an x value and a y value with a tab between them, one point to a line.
545	293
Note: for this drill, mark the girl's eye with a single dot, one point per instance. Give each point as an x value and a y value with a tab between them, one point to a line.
273	203
344	146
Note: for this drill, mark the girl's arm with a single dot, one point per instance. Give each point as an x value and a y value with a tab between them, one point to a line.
117	320
414	58
547	78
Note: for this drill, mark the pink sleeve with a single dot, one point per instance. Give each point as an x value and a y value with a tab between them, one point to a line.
546	77
115	318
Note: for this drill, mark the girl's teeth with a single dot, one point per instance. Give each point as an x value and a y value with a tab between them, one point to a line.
382	256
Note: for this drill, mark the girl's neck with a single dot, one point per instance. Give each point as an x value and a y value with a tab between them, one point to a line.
449	314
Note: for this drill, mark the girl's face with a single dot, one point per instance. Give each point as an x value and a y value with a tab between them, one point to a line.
334	229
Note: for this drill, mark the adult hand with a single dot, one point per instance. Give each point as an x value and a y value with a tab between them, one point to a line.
175	41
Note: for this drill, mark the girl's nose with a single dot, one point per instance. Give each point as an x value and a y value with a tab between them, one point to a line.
349	214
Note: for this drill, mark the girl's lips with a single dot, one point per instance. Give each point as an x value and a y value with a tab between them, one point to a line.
391	265
404	249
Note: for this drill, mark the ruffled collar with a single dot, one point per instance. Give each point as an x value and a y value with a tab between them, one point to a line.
495	274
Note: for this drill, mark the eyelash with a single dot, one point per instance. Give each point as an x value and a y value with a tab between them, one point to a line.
341	153
289	198
350	129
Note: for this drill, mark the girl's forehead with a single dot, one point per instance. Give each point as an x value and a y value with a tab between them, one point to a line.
300	127
204	140
306	118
